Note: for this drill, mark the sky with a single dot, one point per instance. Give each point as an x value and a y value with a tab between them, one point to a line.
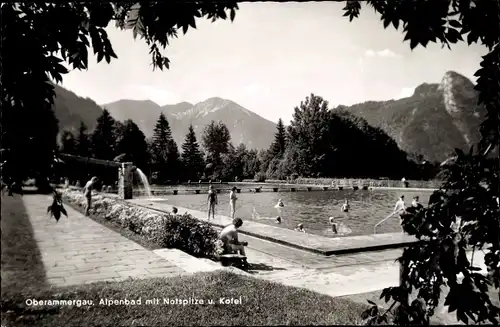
271	58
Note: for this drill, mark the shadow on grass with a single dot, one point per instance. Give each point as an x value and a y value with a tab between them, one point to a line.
261	267
22	267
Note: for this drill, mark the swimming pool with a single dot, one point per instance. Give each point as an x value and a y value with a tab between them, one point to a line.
311	208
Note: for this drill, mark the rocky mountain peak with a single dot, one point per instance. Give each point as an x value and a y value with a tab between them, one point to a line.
425	89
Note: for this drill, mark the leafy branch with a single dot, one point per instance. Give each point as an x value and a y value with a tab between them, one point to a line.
57	207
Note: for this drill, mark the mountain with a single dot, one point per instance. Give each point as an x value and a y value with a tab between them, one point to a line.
434	121
70	109
244	125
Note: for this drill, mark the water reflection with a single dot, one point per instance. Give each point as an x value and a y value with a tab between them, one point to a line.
312	208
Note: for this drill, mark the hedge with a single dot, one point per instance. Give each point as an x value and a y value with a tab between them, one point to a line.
177	231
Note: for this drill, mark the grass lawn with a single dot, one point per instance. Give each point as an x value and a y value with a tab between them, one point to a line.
262	303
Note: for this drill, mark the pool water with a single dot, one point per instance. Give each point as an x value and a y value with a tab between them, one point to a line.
312	209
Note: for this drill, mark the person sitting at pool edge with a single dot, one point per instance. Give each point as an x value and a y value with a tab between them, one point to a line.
229	237
300	228
278	220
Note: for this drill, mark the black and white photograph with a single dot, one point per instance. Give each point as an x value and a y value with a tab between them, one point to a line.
226	163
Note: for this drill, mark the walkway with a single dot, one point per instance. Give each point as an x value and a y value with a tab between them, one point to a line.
78	250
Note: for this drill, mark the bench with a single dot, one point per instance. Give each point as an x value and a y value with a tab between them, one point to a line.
234	260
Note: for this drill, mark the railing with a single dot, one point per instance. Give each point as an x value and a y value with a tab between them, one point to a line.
345	182
380	222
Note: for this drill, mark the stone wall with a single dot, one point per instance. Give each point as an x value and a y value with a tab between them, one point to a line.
125	181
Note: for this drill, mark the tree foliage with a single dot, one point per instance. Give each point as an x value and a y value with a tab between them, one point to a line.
464	214
164	151
277	148
104	137
216	142
323	142
68	143
42	40
192	157
133	145
83	144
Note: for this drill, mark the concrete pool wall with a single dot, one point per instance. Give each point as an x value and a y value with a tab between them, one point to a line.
308	242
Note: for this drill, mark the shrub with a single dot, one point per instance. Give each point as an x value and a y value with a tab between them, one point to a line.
182	232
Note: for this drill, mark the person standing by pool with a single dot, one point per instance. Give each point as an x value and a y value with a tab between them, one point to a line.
400	208
232	201
212	201
87	191
400	205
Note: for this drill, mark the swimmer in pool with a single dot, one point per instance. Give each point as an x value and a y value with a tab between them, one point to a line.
345	207
279	206
300	228
339	228
334	225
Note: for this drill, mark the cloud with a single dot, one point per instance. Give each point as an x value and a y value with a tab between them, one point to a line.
155	94
406	92
386	53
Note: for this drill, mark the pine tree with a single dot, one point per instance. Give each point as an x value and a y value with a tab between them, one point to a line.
216	142
277	148
68	143
82	141
104	138
164	151
192	157
133	145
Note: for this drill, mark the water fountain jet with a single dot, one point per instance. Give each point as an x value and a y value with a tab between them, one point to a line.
145	183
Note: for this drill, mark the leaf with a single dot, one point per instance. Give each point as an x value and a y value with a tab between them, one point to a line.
371	302
453	36
395	23
63	210
413	43
472	37
232	14
365	314
455	23
462	317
